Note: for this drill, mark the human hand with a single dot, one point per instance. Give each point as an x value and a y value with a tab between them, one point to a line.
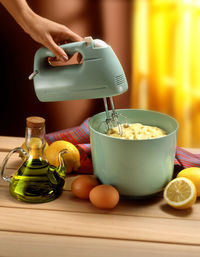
51	34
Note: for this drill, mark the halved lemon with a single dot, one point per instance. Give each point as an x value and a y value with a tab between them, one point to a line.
180	193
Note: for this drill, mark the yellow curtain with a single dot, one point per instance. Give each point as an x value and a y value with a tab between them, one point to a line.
166	62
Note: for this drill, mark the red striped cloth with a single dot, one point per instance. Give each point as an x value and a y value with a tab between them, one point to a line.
186	159
79	136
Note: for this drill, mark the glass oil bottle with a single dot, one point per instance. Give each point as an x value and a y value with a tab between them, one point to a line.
36	181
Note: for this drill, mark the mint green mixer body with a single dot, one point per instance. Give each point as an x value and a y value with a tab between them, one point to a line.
99	75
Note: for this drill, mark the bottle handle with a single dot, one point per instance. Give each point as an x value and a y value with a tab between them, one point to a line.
15	150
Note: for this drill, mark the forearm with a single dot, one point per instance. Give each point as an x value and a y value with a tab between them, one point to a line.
20	11
42	30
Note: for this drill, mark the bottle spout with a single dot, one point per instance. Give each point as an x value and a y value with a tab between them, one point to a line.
62	169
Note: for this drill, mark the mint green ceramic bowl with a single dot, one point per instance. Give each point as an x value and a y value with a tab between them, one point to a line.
137	168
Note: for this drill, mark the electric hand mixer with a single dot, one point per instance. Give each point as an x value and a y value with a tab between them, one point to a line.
100	75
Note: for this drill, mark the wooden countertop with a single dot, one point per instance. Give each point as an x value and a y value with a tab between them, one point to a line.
72	227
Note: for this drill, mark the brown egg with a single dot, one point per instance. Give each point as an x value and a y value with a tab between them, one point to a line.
104	196
82	186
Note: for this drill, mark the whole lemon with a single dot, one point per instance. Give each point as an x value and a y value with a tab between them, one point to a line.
193	174
71	158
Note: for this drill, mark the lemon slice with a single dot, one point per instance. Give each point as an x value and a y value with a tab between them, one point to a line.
180	193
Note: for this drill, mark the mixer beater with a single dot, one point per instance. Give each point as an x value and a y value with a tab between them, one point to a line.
112	119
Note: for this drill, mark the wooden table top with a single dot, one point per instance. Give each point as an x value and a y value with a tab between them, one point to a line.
69	226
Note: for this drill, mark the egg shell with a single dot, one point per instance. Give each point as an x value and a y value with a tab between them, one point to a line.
104	196
82	186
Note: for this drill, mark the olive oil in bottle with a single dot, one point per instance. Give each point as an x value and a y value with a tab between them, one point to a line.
37	181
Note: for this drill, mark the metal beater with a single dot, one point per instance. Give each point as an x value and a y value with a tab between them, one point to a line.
112	119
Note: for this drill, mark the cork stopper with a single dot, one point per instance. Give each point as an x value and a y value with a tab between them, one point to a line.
35	122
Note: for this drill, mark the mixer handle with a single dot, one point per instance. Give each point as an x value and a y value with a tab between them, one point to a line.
72	48
69	48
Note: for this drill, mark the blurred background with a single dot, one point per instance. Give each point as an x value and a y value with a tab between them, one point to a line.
156	41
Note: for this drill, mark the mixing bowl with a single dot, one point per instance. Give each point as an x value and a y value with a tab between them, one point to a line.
136	168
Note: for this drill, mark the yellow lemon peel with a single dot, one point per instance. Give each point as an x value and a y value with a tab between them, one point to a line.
193	174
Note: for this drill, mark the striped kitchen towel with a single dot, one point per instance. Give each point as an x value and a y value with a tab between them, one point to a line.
79	136
186	159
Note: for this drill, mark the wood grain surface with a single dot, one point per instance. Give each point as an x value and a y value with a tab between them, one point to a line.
72	227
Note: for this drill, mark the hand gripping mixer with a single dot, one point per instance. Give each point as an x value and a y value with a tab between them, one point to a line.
100	75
